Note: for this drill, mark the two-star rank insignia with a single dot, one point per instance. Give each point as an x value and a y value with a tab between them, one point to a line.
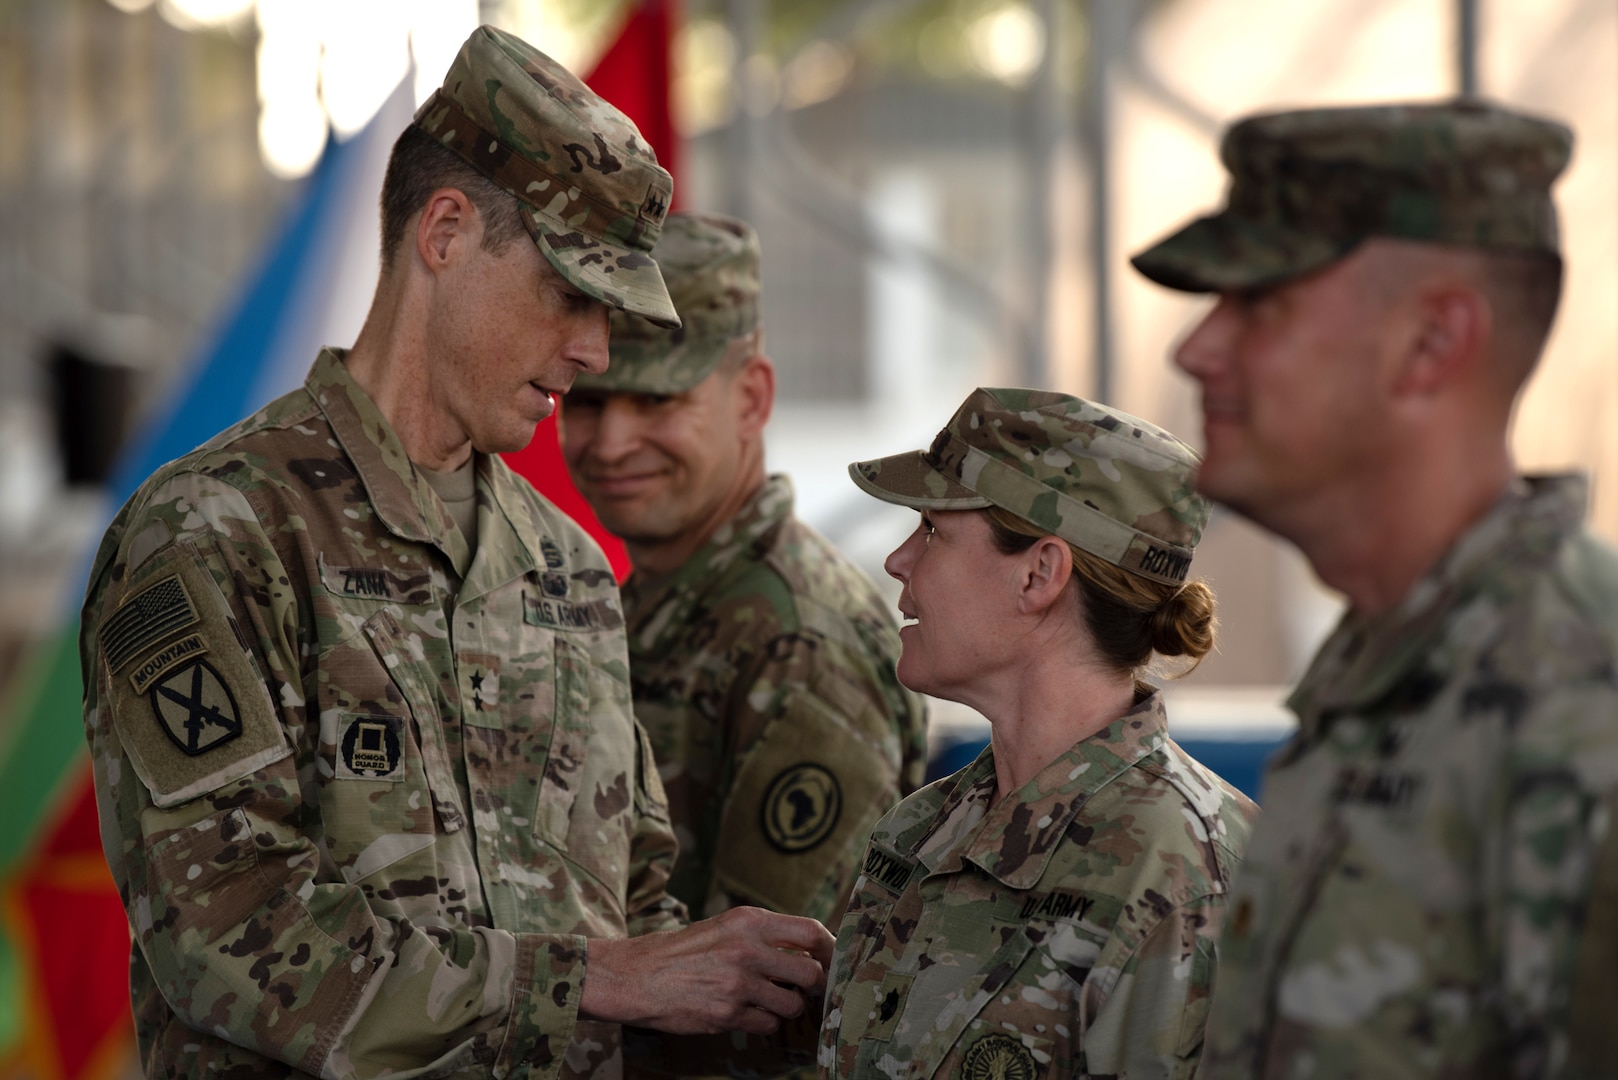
196	708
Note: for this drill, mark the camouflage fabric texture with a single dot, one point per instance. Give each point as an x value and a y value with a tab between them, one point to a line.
1431	890
593	194
1066	931
364	791
1110	483
711	265
764	672
1308	186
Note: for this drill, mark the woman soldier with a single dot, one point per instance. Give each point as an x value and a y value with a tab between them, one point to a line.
1050	910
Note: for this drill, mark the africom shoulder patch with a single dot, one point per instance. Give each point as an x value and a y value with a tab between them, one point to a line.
801	808
188	702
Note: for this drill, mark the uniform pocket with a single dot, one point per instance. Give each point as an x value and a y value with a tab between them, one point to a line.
563	772
402	665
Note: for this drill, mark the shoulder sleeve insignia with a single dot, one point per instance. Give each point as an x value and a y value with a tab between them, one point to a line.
801	807
188	697
196	708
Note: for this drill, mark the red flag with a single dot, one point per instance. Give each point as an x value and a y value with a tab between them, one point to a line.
632	74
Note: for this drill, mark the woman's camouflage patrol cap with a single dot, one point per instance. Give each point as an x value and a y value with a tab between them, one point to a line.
1105	481
1308	186
592	192
710	263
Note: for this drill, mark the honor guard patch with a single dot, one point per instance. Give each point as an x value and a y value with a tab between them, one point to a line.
801	807
371	748
195	708
998	1056
553	583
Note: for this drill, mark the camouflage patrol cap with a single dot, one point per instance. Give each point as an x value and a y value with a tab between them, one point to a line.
1116	486
710	263
592	194
1308	186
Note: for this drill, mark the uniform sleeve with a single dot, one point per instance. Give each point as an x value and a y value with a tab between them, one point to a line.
1150	1024
1551	916
191	655
829	758
653	849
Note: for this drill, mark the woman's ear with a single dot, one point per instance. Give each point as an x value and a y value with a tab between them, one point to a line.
1047	568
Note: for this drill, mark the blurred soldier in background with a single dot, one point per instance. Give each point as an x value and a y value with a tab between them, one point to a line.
762	661
1433	887
369	779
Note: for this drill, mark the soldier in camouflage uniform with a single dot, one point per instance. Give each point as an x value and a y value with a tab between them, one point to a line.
369	780
761	660
1433	891
1050	910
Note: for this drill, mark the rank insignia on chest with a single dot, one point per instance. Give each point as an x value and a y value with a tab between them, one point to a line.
999	1056
801	808
371	749
195	708
552	552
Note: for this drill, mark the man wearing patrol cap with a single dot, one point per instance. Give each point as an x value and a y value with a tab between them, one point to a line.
369	780
1433	888
761	660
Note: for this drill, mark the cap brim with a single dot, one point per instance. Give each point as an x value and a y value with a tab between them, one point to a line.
907	479
1223	253
620	277
647	368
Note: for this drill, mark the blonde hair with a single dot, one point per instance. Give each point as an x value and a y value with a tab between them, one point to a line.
1130	617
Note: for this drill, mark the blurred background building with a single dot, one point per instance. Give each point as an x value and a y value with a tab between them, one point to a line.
947	192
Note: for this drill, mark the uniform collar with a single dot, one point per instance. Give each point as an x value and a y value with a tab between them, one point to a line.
1365	659
404	501
1015	839
653	604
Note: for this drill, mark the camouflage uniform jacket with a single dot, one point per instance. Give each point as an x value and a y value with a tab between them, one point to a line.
763	670
364	792
1067	930
1433	891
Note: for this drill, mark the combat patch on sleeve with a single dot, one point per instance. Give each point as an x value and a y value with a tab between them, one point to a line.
797	817
190	707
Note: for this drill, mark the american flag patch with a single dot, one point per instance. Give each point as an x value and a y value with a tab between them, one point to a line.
153	613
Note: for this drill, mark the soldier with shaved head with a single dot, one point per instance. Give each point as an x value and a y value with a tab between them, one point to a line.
1433	890
357	697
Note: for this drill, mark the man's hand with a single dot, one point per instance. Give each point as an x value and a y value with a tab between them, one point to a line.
745	970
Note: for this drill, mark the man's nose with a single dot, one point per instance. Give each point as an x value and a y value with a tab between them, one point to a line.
1204	349
589	340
